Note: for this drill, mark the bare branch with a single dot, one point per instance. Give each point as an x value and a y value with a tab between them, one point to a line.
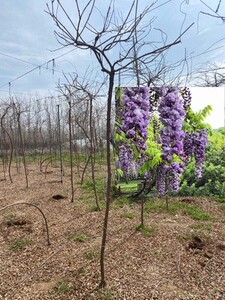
218	6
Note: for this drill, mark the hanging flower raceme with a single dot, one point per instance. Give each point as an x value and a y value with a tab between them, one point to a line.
172	115
186	95
134	114
189	147
200	141
195	144
126	159
161	178
174	174
156	116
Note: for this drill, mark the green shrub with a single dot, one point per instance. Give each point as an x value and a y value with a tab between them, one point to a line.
212	182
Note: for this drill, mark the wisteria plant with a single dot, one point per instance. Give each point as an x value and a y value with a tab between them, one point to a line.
158	135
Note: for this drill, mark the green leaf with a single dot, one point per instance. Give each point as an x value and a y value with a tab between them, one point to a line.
119	137
196	120
118	91
157	159
145	167
119	172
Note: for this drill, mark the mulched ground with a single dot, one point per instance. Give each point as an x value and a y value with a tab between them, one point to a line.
182	259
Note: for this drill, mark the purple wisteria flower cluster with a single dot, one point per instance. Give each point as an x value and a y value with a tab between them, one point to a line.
166	109
174	174
135	120
189	148
172	114
200	141
136	116
126	158
186	95
195	144
161	178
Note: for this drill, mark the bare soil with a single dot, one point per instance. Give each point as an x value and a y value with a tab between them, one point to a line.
182	258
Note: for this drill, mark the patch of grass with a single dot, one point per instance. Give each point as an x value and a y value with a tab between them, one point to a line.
100	186
19	245
222	206
128	215
95	208
63	287
156	206
183	237
107	294
79	237
123	201
218	199
131	186
193	211
86	197
13	219
10	217
146	231
196	213
198	226
190	236
91	254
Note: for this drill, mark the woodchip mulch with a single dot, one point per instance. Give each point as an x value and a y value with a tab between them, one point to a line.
183	259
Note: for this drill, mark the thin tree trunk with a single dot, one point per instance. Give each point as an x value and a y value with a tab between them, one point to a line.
3	147
42	147
22	148
109	180
142	211
11	147
60	145
76	150
92	153
85	167
15	141
71	153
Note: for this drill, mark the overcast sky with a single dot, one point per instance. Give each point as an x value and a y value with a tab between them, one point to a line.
27	40
214	96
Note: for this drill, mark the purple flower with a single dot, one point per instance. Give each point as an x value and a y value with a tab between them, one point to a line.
172	116
136	115
126	158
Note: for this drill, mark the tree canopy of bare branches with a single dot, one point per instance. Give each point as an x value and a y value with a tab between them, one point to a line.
113	39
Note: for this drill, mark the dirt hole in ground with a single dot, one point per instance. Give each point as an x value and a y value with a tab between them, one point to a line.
221	246
58	197
17	222
187	200
54	181
196	243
